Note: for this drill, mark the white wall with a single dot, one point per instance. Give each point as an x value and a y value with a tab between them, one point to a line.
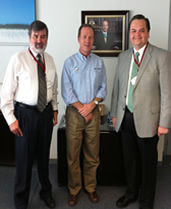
169	44
168	136
63	18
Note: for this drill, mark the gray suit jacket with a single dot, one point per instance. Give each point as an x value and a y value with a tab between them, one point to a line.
152	91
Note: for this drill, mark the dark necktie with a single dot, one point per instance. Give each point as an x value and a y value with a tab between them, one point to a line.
131	85
42	92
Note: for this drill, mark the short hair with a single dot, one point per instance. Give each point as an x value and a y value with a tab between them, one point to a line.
84	26
140	17
37	25
105	21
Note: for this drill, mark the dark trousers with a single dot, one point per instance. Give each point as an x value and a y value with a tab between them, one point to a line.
37	132
140	159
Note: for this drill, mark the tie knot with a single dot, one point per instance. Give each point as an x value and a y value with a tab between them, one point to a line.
136	56
39	57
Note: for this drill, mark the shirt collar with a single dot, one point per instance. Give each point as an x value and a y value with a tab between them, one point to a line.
83	57
34	53
140	50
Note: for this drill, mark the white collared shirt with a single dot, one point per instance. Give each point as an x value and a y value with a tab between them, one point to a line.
21	83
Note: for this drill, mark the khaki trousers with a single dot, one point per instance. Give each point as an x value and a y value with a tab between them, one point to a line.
85	136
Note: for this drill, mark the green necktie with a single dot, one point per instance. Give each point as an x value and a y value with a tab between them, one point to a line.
105	37
131	86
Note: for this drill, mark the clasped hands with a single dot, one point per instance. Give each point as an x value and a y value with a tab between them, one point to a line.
85	110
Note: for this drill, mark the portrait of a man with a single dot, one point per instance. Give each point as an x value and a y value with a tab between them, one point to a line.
106	39
110	31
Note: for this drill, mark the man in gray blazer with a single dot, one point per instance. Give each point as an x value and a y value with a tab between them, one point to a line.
143	114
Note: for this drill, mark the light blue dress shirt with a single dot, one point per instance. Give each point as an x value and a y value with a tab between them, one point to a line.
83	79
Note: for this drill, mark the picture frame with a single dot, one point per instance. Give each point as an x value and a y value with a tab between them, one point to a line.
115	23
15	18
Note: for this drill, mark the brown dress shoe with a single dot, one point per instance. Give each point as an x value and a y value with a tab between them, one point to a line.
93	197
72	200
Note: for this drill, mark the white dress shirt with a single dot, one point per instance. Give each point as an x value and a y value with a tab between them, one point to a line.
21	83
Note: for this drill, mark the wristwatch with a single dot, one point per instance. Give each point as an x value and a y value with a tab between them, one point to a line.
96	102
55	111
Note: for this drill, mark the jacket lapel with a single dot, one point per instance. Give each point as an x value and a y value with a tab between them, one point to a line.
126	67
145	61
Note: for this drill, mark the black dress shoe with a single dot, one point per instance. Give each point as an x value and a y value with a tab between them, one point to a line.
124	201
49	201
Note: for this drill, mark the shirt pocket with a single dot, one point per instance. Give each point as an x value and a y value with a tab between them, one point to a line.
24	80
50	78
97	75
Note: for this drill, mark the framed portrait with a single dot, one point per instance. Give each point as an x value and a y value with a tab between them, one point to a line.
110	31
15	18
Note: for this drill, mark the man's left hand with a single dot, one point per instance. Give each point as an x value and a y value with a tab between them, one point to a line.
89	117
162	131
55	118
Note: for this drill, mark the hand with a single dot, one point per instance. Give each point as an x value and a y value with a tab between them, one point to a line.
116	47
86	109
55	118
162	131
114	122
89	117
15	129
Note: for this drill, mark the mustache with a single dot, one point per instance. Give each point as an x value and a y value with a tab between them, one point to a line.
39	45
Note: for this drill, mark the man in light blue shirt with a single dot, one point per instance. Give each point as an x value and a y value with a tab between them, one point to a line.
83	87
